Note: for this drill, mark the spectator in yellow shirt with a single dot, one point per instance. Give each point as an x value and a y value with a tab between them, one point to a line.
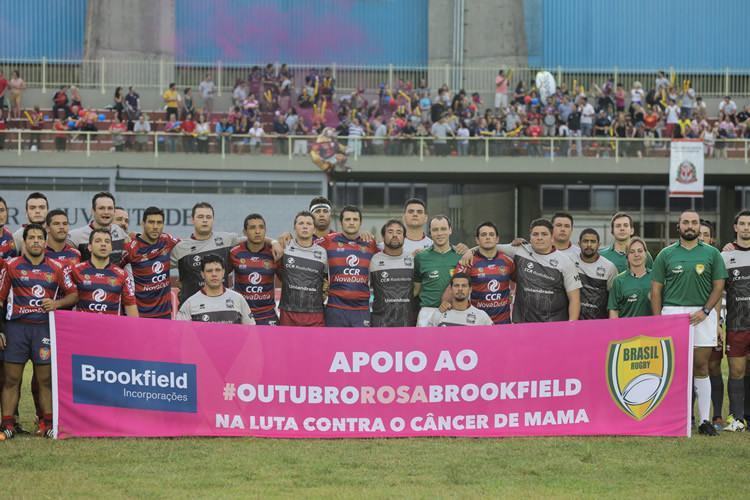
171	99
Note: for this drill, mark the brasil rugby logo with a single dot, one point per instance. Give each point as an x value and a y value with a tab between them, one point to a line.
639	373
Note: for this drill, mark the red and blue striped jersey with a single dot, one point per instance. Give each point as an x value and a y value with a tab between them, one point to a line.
348	271
490	285
102	290
23	287
254	274
150	263
68	256
7	244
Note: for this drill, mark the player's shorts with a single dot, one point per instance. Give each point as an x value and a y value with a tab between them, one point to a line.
738	344
267	319
704	333
27	341
423	319
290	318
347	318
717	353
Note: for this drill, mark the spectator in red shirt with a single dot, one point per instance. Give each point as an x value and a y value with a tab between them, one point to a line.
118	128
3	88
60	101
36	120
534	130
3	128
188	131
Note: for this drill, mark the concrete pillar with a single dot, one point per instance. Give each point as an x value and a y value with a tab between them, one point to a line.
130	42
529	207
727	210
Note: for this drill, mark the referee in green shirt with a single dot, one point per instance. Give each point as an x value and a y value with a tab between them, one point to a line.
630	295
433	269
688	278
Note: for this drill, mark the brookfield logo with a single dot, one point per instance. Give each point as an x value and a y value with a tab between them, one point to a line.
639	373
127	383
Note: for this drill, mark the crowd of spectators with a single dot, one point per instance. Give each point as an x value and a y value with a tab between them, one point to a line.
268	105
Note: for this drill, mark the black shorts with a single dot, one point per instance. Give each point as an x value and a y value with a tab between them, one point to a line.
27	341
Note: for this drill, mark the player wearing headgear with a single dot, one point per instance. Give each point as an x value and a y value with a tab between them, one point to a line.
103	287
214	303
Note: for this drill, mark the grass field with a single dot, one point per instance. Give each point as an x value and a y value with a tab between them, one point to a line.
431	467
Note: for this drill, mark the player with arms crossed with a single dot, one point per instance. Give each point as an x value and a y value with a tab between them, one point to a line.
149	254
28	286
103	287
688	278
214	303
391	274
254	271
461	312
630	295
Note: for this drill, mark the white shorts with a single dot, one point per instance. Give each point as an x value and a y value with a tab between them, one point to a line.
704	333
501	101
423	319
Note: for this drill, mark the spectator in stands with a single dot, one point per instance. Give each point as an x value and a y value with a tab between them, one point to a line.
75	98
327	85
250	107
132	105
379	135
202	133
687	102
519	95
728	107
118	128
3	89
118	103
61	137
224	131
574	125
141	128
587	117
602	124
256	134
188	133
17	87
269	79
60	102
709	135
672	117
699	110
462	142
563	131
501	91
637	95
549	121
207	89
662	82
440	131
300	145
619	98
281	131
240	92
36	121
743	122
187	105
3	128
172	128
305	99
171	100
242	127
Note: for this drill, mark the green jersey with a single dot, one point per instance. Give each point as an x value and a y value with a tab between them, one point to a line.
631	296
688	275
620	259
434	270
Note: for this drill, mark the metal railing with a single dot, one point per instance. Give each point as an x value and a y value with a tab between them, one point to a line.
156	74
488	149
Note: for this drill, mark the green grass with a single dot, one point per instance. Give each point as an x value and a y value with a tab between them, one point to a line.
427	467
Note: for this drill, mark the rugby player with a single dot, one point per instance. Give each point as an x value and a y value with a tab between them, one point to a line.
254	271
490	273
433	269
122	218
391	272
214	303
321	208
58	247
737	261
622	229
688	278
562	230
415	218
7	243
461	312
596	273
630	295
103	210
28	285
149	254
103	287
187	255
304	276
349	257
36	212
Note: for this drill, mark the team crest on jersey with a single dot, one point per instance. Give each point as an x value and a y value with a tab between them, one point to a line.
600	272
553	262
699	268
639	373
24	272
49	277
266	264
230	304
408	261
112	281
44	353
736	272
471	318
363	249
218	241
317	254
340	245
205	318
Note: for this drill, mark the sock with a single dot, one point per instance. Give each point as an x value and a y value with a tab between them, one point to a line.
717	393
747	396
703	396
736	390
8	420
48	420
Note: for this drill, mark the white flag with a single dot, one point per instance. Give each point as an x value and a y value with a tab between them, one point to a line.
686	168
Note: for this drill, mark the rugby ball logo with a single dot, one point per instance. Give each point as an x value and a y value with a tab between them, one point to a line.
639	373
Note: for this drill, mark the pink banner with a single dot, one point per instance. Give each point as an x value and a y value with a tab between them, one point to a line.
118	376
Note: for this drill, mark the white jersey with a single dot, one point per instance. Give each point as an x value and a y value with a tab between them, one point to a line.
572	252
470	317
412	246
596	282
79	238
229	307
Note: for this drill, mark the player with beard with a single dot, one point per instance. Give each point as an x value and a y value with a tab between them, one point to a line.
596	273
58	247
28	286
122	218
7	244
461	312
737	260
103	287
688	278
103	209
391	272
149	254
622	229
37	207
630	295
214	303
